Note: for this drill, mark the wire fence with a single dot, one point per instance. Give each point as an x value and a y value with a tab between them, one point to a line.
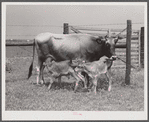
8	35
73	25
35	26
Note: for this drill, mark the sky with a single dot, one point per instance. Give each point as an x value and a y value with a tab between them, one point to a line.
26	21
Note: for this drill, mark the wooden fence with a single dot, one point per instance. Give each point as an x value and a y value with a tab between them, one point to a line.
137	43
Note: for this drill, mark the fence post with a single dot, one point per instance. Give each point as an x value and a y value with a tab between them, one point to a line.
142	47
139	40
66	28
128	53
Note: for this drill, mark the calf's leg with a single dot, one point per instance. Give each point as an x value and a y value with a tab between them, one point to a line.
72	72
108	74
86	79
42	78
77	81
51	82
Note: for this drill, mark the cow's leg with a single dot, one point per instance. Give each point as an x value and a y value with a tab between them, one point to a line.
95	85
48	63
39	67
108	74
42	68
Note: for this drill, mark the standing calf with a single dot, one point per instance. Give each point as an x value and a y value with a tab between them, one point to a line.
63	68
96	68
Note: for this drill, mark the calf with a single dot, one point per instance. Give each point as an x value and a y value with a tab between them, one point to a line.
63	68
96	68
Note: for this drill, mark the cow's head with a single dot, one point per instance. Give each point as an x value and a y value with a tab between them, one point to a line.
110	43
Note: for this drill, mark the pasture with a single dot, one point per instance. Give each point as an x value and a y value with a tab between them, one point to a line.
21	95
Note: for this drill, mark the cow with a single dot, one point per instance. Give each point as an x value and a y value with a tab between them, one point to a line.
62	68
96	68
70	47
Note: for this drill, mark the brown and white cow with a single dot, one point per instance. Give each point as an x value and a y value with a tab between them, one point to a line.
69	47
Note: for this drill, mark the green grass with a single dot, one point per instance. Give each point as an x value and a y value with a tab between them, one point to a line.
22	95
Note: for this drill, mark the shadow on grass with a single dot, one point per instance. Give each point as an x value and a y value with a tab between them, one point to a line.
65	85
70	86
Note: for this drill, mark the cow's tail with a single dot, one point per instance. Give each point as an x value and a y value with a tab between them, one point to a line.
31	66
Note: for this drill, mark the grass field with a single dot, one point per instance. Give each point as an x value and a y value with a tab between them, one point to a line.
21	95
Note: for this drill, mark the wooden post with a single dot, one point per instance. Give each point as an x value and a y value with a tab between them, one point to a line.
142	47
128	53
139	40
66	28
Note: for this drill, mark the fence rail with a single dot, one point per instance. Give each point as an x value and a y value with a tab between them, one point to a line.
100	29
